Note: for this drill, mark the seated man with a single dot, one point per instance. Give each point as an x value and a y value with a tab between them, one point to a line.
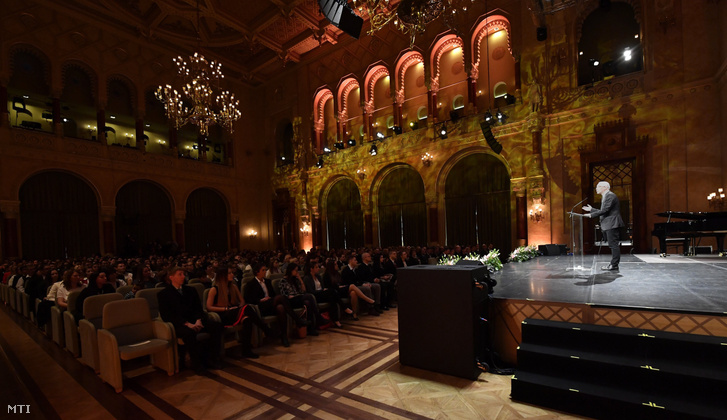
365	274
259	291
372	290
180	305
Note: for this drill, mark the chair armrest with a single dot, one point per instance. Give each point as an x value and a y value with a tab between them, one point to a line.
163	330
107	344
214	316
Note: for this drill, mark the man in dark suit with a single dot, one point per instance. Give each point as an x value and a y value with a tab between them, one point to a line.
349	275
180	305
259	291
611	221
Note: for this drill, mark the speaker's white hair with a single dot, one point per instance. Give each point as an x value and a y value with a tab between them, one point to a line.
604	184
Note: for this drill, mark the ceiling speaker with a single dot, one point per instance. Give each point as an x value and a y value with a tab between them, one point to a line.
342	16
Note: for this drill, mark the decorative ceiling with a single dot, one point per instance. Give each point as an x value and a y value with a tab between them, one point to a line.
253	38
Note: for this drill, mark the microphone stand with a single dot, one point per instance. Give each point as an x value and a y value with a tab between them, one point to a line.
574	207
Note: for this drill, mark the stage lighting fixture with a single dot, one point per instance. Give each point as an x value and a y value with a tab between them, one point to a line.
374	150
341	15
327	150
488	117
443	132
338	145
379	135
501	117
319	164
397	129
414	125
351	142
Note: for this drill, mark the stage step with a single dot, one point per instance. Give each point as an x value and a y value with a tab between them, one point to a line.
621	371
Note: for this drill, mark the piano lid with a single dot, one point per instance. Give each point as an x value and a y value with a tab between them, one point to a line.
694	215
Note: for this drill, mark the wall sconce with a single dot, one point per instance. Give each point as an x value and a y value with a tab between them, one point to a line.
427	159
361	173
716	199
252	233
305	229
536	214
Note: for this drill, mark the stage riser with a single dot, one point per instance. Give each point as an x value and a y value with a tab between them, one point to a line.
615	370
595	405
632	378
656	345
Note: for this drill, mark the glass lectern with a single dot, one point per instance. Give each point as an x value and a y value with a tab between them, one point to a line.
576	241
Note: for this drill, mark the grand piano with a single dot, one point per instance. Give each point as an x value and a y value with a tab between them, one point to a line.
689	227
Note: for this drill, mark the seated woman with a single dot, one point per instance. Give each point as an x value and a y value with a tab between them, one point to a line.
314	284
71	282
225	299
144	277
332	280
293	288
97	285
43	315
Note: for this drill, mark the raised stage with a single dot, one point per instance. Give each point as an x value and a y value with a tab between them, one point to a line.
677	293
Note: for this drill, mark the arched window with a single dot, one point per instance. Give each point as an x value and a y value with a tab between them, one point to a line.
120	114
610	44
78	102
411	88
58	216
156	126
205	224
449	74
402	209
350	112
493	63
28	90
284	143
143	218
378	98
477	200
344	217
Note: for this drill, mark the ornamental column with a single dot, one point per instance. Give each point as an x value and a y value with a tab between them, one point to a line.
108	229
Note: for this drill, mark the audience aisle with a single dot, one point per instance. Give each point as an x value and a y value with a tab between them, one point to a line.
343	373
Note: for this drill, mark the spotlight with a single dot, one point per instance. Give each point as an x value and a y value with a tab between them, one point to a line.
595	62
443	132
379	135
414	125
374	150
195	146
397	129
501	117
327	150
627	54
282	158
488	117
339	145
319	164
351	142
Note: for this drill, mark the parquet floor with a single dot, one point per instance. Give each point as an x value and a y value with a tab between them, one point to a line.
349	373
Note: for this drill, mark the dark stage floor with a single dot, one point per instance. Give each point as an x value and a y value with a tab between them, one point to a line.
675	283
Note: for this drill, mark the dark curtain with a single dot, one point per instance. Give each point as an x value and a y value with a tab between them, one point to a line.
58	217
402	209
477	201
344	215
143	218
205	226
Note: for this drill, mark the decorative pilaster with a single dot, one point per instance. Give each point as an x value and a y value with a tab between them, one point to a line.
4	113
179	218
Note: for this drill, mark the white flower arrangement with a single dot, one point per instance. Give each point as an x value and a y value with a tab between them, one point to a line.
523	253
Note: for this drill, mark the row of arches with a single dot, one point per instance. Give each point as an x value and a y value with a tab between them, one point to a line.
60	218
70	97
420	86
476	204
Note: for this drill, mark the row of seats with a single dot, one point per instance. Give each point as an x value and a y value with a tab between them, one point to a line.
114	329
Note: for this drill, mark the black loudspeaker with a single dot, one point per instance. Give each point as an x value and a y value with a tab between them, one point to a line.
487	132
441	312
541	33
342	16
549	249
454	115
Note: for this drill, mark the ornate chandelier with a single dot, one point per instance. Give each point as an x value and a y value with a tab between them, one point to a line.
198	105
410	16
